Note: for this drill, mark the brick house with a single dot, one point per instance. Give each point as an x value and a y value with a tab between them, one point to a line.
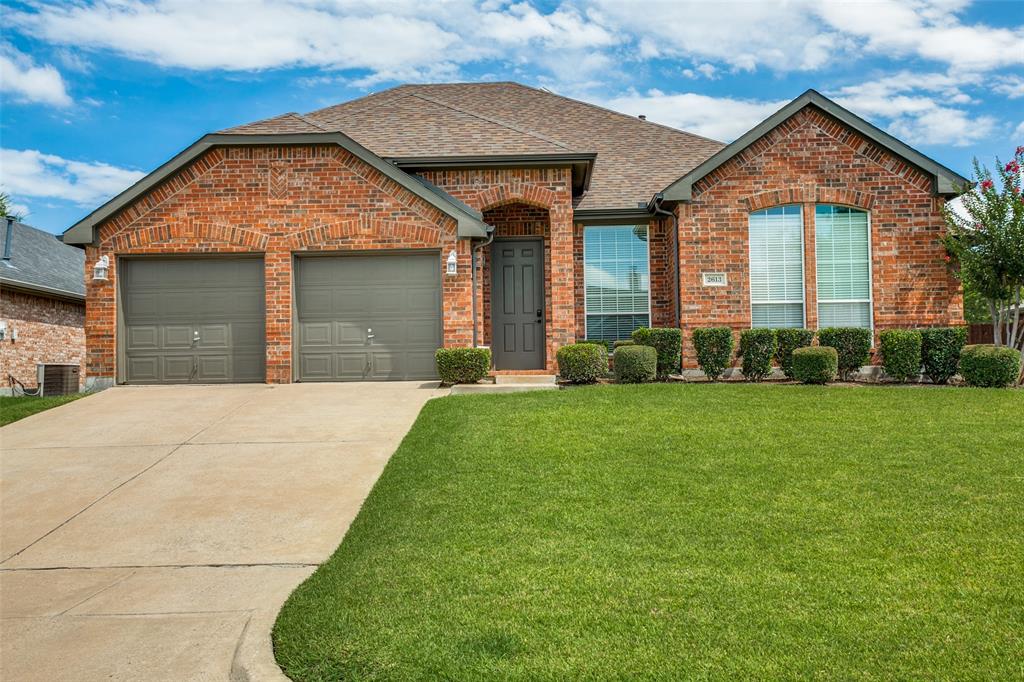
42	304
350	242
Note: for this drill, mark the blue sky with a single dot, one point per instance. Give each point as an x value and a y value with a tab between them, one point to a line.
97	93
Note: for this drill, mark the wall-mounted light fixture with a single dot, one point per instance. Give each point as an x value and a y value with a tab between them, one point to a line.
452	263
99	271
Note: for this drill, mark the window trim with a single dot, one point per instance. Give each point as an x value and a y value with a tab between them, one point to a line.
650	281
803	268
871	272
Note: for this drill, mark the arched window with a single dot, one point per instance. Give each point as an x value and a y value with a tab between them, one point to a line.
843	256
777	267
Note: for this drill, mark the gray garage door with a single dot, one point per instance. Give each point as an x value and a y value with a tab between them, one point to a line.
196	320
368	317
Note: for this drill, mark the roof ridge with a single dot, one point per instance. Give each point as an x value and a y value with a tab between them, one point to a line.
311	122
496	121
387	91
612	111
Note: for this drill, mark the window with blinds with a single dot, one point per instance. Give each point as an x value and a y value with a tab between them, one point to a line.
777	267
842	253
617	281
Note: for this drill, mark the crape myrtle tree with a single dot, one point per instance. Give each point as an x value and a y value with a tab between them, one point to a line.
985	245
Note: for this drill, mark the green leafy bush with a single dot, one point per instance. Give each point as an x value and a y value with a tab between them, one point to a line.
635	364
582	363
815	364
901	353
623	342
789	339
607	345
714	349
462	365
757	347
989	366
667	342
940	351
852	344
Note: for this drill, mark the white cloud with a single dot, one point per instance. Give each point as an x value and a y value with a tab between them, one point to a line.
31	173
1018	134
720	118
1011	86
25	81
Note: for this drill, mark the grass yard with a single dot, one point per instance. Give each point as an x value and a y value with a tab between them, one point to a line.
13	408
683	531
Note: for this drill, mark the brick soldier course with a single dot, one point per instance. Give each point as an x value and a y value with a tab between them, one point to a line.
524	162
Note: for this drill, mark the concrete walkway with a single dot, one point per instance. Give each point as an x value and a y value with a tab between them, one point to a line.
152	533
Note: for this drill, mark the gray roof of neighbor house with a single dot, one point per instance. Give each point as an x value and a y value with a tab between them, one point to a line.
37	261
635	158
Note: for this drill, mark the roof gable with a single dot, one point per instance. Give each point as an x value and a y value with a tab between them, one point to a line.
945	181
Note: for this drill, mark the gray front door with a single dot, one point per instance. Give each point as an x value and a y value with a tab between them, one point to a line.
195	320
368	317
517	304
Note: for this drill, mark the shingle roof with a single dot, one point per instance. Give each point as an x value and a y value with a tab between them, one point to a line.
41	262
635	158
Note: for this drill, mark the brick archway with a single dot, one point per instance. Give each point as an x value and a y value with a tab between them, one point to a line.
809	195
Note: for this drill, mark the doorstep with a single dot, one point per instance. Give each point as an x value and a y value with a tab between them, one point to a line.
510	383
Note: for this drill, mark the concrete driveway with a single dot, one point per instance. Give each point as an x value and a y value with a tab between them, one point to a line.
154	532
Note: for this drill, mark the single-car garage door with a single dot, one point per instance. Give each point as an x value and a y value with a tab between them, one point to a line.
198	320
368	317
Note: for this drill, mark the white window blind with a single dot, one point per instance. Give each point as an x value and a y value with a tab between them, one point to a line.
777	267
843	267
617	281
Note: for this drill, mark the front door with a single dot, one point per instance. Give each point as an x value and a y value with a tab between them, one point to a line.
517	304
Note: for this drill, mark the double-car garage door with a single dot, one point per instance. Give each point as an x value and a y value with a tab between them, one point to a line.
202	320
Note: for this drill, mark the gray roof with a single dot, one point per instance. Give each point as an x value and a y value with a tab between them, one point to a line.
39	262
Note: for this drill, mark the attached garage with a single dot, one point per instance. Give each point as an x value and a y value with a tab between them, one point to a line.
192	320
364	318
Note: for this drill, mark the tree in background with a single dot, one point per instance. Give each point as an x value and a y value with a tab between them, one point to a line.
985	245
5	207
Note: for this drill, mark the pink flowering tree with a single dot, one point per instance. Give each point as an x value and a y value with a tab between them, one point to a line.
985	245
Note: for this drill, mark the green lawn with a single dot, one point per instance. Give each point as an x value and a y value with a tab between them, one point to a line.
14	408
679	532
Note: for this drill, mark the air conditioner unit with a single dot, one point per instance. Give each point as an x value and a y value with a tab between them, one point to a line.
54	379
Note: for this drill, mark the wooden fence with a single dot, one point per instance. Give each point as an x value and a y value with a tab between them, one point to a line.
980	333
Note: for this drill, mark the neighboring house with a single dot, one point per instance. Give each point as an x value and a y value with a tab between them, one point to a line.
350	242
42	303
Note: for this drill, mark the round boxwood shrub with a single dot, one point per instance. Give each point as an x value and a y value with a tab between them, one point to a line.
667	342
789	339
623	342
940	351
989	366
901	353
582	363
815	364
852	344
635	364
757	346
462	365
714	349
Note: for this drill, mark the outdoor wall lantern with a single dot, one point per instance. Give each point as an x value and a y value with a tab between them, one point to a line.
99	271
452	262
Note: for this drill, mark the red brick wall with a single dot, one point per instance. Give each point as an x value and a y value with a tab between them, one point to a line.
49	330
546	188
274	201
812	158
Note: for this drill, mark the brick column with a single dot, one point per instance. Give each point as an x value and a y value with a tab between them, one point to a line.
562	326
100	320
810	270
457	294
277	264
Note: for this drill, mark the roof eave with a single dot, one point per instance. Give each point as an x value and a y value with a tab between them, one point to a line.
946	182
582	163
40	289
84	231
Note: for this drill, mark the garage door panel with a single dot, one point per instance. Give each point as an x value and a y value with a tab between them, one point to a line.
315	333
398	296
168	301
317	365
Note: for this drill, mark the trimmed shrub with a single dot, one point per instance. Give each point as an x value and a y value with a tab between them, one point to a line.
989	366
940	351
607	345
582	363
623	342
635	364
815	364
462	365
714	349
789	340
757	347
667	342
852	344
901	353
